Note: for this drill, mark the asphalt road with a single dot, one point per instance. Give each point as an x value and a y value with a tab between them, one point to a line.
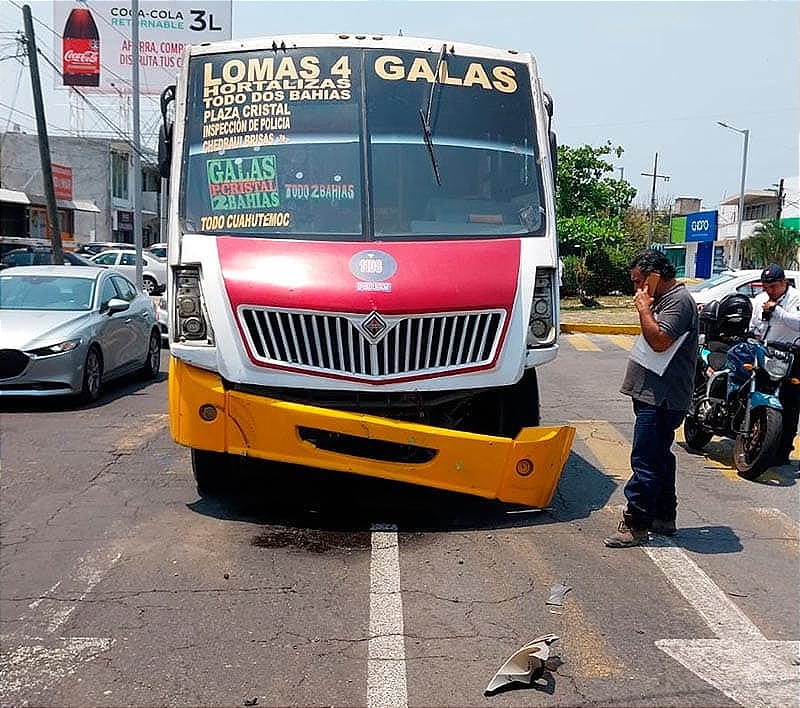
119	586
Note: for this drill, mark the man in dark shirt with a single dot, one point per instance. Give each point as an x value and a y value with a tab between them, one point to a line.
659	379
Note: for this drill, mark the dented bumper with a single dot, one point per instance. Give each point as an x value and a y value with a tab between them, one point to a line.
524	470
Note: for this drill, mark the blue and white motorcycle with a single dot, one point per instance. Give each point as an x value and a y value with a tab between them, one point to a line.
737	383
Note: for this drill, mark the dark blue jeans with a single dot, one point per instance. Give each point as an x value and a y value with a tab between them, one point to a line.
651	489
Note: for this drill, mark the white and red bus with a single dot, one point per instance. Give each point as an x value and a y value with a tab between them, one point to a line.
363	261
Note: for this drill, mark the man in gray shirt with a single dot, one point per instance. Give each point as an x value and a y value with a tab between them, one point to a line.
659	379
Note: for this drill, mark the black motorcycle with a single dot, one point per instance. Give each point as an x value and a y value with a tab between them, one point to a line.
737	383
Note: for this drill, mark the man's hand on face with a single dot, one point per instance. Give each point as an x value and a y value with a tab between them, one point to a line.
642	299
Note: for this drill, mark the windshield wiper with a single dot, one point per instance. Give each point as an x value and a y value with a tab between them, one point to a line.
425	117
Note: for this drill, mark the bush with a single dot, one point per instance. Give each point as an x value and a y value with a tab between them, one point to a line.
596	274
569	279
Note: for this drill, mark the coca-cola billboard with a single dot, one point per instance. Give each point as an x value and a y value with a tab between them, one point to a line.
95	53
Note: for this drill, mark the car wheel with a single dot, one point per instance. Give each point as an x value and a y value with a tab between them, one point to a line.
92	375
152	363
150	286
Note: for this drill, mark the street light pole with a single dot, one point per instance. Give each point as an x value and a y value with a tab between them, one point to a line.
737	257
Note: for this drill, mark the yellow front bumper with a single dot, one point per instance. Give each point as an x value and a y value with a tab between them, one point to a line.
267	428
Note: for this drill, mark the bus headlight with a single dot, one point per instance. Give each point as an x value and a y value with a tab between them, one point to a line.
541	323
190	316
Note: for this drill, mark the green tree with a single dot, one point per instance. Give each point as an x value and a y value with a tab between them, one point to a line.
586	185
590	205
772	242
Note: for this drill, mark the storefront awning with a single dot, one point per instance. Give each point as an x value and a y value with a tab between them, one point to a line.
12	196
77	205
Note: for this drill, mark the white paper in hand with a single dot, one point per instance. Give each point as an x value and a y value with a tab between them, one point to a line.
657	362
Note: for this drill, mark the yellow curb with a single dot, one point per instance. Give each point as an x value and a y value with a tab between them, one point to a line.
569	328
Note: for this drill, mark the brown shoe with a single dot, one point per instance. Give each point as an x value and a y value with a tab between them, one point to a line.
664	527
626	536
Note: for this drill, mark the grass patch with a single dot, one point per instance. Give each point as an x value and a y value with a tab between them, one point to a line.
611	309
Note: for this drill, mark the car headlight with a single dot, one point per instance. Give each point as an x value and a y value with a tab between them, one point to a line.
60	348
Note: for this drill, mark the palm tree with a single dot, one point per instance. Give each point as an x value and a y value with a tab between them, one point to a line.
772	242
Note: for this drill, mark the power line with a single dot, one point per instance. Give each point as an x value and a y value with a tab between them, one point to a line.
108	69
16	93
100	114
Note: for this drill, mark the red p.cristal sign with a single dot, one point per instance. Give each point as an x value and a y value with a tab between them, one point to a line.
62	181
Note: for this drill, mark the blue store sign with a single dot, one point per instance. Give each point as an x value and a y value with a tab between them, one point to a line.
701	226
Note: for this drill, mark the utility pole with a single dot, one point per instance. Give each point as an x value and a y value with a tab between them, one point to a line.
655	174
137	164
780	201
44	145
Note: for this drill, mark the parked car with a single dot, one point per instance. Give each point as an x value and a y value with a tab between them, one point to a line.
94	247
746	282
69	330
154	270
158	249
39	255
12	243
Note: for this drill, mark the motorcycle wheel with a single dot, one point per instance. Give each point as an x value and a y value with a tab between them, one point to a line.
753	454
696	438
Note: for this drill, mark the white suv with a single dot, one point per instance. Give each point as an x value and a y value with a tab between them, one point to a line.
154	270
745	282
158	249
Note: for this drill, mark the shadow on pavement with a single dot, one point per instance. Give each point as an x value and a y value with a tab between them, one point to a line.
708	540
290	495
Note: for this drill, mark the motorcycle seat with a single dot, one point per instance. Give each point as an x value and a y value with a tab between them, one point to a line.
717	360
718	354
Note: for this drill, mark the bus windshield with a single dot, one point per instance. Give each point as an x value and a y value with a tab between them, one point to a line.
361	144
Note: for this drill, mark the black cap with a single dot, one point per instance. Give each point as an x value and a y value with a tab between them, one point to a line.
772	273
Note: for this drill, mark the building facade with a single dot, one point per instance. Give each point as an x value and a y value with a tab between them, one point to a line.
715	249
94	185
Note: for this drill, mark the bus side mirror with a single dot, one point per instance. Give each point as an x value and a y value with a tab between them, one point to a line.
548	107
164	150
165	132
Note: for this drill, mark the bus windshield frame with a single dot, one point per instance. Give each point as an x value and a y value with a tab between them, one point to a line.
360	144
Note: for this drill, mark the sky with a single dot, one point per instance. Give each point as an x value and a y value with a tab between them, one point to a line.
651	77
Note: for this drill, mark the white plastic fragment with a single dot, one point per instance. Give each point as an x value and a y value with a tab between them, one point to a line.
557	593
524	663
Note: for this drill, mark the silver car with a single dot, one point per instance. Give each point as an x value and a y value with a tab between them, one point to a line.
154	270
70	329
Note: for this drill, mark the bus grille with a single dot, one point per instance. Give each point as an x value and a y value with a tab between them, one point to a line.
373	346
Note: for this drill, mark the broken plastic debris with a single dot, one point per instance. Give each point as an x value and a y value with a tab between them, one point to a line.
525	664
557	593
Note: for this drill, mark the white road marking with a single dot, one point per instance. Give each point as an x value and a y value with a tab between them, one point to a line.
741	662
581	343
38	601
386	666
40	663
34	664
722	616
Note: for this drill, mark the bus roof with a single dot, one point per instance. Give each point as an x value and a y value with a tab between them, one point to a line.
369	41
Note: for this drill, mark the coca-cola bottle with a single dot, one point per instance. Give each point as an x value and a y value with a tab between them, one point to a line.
80	49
